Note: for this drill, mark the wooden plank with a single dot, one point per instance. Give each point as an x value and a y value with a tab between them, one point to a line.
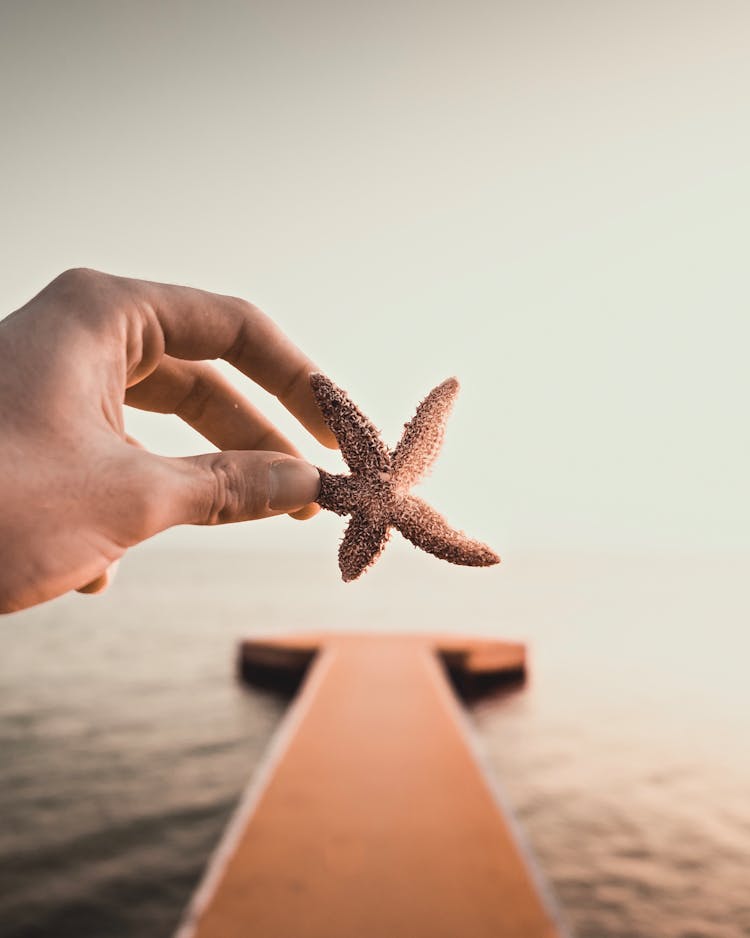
373	818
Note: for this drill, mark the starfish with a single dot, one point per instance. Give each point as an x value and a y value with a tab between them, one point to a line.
376	493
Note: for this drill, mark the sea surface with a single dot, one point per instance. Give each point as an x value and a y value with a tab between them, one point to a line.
125	737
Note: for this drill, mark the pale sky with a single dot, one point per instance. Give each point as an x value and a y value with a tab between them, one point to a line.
550	200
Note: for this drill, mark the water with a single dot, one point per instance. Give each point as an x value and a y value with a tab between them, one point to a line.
125	738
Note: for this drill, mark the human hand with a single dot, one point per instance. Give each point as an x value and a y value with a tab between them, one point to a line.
75	491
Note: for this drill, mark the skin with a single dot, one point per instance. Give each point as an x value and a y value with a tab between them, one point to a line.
75	491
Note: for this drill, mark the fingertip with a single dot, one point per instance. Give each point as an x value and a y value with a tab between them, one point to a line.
100	583
326	438
304	514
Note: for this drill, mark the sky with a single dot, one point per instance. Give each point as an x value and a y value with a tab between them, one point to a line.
549	200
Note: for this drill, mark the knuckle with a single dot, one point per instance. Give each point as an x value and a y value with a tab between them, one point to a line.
298	380
251	326
234	496
245	309
83	295
76	280
192	407
226	492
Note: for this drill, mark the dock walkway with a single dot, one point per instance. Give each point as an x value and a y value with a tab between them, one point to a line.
372	817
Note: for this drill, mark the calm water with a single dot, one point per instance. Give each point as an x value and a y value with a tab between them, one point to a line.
125	740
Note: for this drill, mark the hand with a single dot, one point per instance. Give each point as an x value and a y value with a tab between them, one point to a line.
75	491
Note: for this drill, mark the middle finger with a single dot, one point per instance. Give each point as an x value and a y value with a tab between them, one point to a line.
201	396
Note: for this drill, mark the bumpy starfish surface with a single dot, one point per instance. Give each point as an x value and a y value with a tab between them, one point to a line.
376	494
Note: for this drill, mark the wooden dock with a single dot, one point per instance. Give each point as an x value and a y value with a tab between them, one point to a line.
372	817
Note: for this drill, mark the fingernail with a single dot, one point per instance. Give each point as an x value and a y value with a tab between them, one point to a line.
293	483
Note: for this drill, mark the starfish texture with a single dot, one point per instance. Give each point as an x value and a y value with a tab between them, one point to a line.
376	493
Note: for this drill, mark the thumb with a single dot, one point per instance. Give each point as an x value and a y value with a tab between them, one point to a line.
219	488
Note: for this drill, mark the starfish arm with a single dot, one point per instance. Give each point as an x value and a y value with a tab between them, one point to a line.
334	492
428	530
423	434
359	440
363	543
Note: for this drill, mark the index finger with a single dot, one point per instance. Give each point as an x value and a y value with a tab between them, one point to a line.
196	325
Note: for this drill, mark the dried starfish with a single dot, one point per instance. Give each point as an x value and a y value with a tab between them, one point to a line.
376	494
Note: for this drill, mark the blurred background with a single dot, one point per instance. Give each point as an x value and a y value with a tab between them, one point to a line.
548	200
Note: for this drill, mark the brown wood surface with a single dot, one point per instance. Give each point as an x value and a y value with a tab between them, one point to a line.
375	821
